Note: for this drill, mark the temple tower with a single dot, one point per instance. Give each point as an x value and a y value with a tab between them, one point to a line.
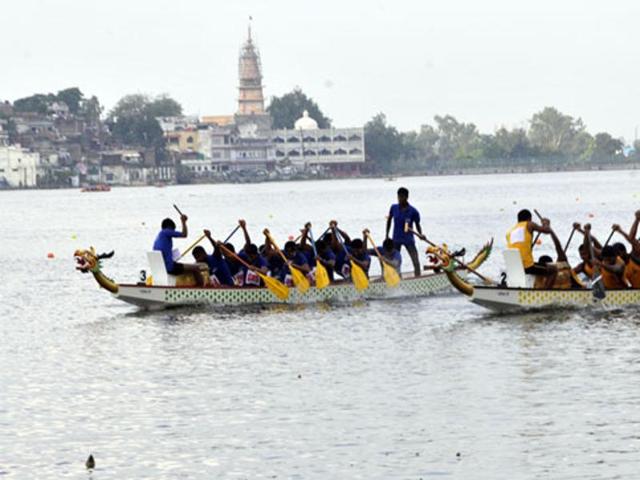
250	98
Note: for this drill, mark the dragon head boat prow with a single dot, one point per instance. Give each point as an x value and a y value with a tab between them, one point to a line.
450	264
89	261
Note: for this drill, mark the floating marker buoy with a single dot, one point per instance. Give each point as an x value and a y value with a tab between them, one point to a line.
591	215
90	463
50	255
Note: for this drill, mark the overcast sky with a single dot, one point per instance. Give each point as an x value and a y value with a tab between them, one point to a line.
491	62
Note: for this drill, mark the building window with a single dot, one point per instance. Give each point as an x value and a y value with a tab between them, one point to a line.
340	151
355	151
310	153
279	153
324	151
339	138
294	153
354	138
309	139
324	138
278	140
189	139
293	139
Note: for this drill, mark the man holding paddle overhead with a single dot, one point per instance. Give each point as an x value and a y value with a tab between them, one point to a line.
404	217
164	244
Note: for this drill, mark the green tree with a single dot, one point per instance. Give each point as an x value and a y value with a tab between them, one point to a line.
72	97
383	143
555	133
458	142
285	110
164	106
133	119
606	148
38	103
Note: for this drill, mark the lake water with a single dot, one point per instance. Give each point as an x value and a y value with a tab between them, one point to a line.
407	389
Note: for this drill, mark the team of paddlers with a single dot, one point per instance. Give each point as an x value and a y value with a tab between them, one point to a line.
610	264
335	251
342	256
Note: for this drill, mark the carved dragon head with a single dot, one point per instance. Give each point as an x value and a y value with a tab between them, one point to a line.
89	260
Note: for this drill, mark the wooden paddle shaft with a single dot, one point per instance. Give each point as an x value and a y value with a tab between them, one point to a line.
192	246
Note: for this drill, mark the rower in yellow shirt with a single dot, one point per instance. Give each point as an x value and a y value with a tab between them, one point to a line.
520	236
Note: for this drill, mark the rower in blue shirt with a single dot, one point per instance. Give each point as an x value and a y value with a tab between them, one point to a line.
390	254
402	213
218	266
164	244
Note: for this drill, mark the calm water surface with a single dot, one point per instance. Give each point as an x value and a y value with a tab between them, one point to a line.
380	390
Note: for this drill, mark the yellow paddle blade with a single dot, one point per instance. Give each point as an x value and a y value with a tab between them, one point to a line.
390	275
299	280
275	286
322	277
358	276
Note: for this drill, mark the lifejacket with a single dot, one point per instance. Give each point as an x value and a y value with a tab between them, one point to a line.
632	272
612	281
520	237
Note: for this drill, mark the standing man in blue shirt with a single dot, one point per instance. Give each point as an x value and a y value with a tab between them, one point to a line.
404	214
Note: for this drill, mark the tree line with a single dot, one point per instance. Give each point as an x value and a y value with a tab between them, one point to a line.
552	138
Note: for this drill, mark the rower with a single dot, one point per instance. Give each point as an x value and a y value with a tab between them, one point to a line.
586	267
326	257
296	259
565	277
403	214
632	268
355	251
390	255
218	266
164	244
520	237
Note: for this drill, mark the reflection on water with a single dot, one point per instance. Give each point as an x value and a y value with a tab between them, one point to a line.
385	389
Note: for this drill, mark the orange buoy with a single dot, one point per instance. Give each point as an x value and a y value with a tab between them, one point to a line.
50	255
591	215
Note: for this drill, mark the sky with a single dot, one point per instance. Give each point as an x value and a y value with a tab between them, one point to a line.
491	62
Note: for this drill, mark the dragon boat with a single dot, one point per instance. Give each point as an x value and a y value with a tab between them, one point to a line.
515	293
168	292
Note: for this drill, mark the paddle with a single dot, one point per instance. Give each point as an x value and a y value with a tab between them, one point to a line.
569	240
358	276
300	280
597	287
274	285
609	238
178	210
425	239
535	240
322	276
389	273
192	246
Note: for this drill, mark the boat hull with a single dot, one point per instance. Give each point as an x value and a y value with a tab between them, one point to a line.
519	299
159	297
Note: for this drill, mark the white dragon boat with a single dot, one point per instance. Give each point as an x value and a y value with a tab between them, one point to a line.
515	293
163	293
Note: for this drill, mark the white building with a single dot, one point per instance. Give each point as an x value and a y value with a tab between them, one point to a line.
18	167
340	150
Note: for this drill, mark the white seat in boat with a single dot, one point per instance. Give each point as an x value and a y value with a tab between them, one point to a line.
159	271
516	277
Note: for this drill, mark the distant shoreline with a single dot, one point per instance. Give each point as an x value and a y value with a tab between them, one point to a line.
439	173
